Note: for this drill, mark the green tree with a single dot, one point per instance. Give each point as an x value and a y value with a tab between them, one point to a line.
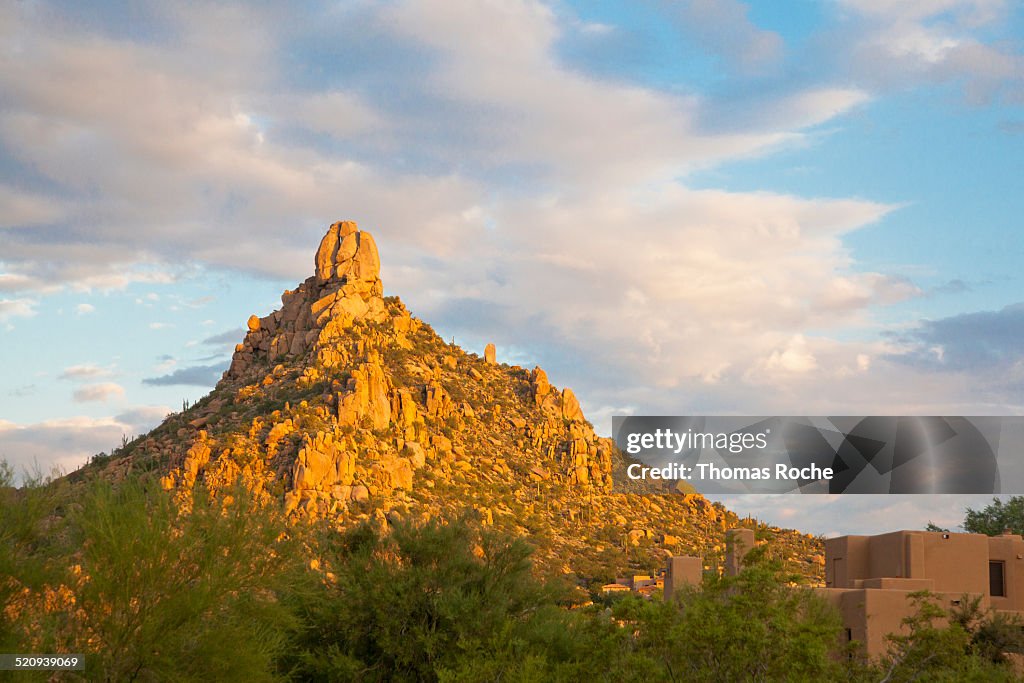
993	634
996	517
406	605
145	589
936	646
751	627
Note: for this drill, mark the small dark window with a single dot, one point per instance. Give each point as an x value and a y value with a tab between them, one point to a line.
849	635
996	579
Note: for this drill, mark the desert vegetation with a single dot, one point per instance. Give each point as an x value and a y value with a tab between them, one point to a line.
151	586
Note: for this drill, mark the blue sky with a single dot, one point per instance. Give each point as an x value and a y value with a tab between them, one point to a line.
686	207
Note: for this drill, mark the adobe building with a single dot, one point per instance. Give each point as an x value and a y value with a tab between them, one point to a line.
869	578
682	570
687	570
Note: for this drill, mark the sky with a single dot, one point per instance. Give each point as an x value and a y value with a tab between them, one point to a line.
676	207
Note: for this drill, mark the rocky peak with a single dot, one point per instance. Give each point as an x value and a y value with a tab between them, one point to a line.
343	406
370	379
346	288
347	253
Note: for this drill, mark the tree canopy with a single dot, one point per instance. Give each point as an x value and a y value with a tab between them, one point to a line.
996	517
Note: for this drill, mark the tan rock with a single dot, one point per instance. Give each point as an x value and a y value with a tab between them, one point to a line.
291	502
404	408
366	262
400	473
570	406
439	404
541	386
254	323
401	323
441	443
489	354
635	536
369	395
322	303
196	458
322	462
417	456
325	254
538	473
347	253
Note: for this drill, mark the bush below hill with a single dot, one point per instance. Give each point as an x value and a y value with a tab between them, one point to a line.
155	588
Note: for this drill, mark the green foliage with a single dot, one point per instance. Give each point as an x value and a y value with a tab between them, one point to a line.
993	634
115	571
749	627
996	517
151	591
407	605
930	650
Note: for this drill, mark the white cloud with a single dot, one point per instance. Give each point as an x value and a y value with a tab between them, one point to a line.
669	286
723	27
83	372
906	43
520	105
141	419
837	515
24	209
100	392
67	443
16	308
338	114
84	309
186	169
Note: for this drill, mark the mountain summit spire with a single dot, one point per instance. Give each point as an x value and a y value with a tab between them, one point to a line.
347	253
345	288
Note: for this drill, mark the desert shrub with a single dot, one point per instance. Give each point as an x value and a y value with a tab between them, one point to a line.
417	601
117	572
752	626
937	646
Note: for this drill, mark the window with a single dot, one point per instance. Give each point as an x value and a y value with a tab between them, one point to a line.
996	579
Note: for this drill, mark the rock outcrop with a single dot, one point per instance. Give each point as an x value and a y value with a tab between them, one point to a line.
343	406
346	288
348	254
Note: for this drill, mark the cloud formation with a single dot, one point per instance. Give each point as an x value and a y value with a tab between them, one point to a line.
196	375
15	308
548	192
67	443
99	392
724	27
896	44
84	372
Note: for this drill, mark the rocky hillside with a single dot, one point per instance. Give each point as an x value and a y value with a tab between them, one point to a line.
344	406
